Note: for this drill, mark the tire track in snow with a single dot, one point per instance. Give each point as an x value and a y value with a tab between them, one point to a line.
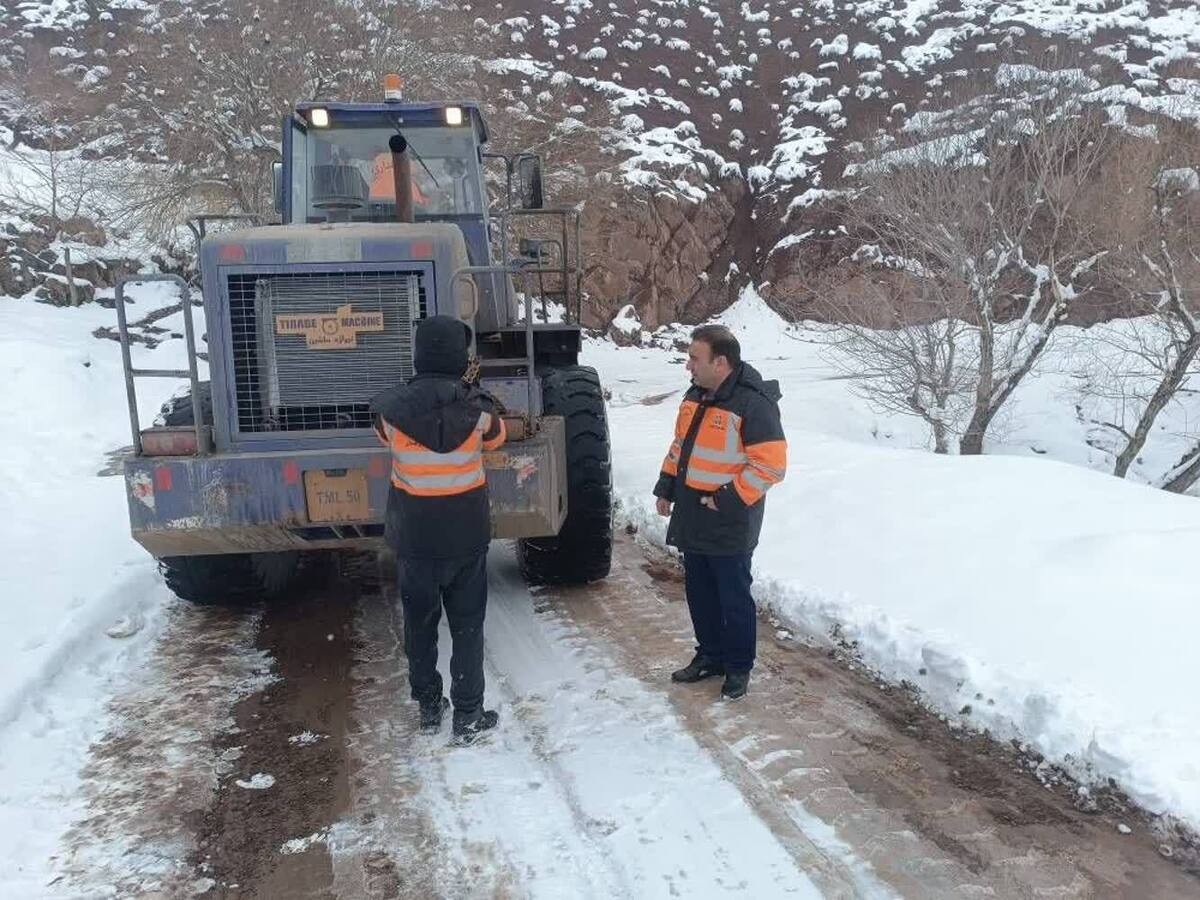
388	846
646	797
152	775
590	787
834	866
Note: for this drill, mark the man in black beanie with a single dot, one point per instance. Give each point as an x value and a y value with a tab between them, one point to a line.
438	521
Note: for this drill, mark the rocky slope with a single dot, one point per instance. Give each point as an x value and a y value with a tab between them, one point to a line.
727	125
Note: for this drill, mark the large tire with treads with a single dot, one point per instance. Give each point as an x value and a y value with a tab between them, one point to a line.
230	579
226	579
178	410
582	550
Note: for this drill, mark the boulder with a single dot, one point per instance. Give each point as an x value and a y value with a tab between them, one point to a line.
54	291
85	231
625	330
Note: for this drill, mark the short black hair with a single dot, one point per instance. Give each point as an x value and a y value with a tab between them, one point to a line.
722	342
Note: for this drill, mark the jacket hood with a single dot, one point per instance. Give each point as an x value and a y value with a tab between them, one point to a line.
751	378
437	411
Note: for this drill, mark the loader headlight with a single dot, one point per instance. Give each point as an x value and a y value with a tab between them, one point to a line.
319	118
454	115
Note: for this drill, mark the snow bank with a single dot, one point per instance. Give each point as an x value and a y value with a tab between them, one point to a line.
63	408
71	572
1038	599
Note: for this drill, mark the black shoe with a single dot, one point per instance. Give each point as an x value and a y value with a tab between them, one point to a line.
431	715
468	728
698	669
735	685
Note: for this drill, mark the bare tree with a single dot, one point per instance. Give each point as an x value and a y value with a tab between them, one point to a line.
1173	259
901	333
198	96
54	183
1140	369
990	216
47	183
921	369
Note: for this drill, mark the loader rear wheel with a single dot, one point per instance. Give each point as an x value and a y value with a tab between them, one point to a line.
582	550
230	579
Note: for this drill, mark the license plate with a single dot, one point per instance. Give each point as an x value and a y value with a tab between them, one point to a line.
338	495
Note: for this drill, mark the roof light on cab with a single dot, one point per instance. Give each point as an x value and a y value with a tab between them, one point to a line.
454	115
319	117
393	87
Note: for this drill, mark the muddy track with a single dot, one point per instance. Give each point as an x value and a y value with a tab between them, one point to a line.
252	842
275	753
936	812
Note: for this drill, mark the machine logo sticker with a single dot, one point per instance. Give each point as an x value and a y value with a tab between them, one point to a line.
329	331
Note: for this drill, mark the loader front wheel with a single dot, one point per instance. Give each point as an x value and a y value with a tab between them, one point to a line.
582	551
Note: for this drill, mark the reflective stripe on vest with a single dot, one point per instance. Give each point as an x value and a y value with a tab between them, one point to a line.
717	456
423	472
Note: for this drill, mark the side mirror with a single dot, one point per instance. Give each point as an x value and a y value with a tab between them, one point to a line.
529	182
277	185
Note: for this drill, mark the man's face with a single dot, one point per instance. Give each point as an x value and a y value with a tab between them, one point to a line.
707	371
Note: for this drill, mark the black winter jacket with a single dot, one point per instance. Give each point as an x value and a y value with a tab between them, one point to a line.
733	528
440	412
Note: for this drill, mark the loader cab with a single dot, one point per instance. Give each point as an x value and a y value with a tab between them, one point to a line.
337	166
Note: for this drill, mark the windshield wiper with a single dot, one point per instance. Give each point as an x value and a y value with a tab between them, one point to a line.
417	154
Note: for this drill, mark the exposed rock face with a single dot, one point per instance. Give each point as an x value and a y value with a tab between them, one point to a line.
667	257
30	262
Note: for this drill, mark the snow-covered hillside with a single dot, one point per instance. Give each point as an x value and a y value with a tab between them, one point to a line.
748	110
772	92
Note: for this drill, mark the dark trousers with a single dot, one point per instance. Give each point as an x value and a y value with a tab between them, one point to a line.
723	615
460	584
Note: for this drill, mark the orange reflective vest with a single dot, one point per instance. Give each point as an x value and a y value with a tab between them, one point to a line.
422	472
729	446
721	456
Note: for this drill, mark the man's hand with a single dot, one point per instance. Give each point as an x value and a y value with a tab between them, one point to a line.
663	506
710	501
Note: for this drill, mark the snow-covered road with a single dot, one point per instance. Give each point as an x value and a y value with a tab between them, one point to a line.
592	787
274	753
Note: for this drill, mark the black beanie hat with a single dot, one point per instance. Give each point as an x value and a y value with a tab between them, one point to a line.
441	346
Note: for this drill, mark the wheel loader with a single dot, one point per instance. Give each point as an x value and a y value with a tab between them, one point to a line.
388	213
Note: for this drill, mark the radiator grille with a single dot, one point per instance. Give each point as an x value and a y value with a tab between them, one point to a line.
284	380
